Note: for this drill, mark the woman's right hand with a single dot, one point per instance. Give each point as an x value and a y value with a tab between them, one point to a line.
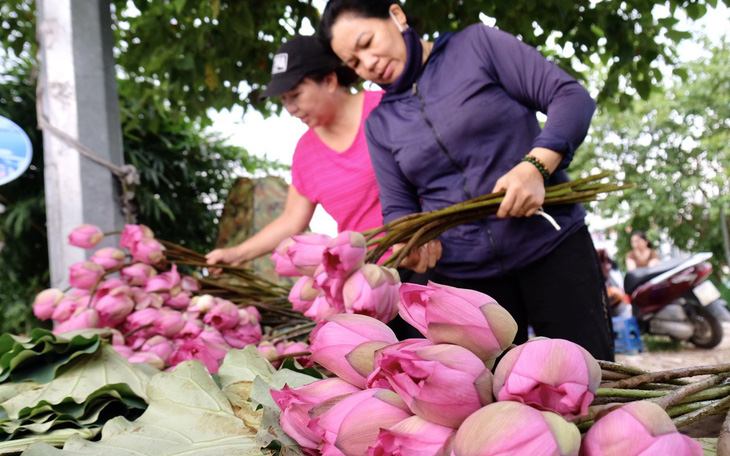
422	258
230	255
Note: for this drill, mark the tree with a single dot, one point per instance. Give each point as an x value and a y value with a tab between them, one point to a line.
674	148
191	55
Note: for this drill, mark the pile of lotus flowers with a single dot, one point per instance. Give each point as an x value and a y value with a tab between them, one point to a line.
438	395
335	278
157	315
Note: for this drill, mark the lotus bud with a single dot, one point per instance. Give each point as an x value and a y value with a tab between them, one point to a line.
282	263
450	315
147	357
353	423
338	335
554	375
189	283
344	254
179	301
164	284
200	304
160	346
295	405
373	291
413	436
210	354
132	234
190	330
306	252
332	288
86	236
66	307
224	315
267	350
514	429
242	335
137	274
108	257
169	323
83	318
45	302
114	306
321	309
85	274
248	315
142	318
148	251
303	294
143	300
637	428
442	383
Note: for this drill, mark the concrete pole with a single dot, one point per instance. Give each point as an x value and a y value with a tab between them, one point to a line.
79	97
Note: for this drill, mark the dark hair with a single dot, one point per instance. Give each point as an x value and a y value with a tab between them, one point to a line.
642	235
377	9
346	76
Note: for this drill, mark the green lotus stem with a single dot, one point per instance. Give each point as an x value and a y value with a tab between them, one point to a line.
631	371
683	409
629	393
289	355
676	396
697	415
293	332
651	377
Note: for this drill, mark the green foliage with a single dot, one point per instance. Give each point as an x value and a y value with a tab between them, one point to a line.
674	148
187	56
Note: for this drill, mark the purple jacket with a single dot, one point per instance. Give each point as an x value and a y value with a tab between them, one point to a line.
470	119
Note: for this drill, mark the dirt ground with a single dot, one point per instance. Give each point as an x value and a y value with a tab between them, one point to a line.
687	356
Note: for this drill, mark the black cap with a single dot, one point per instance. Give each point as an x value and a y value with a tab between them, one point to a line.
296	58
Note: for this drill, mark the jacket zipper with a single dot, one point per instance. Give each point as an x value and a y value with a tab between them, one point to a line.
461	169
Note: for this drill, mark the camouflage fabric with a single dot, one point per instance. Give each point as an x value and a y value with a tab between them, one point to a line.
251	205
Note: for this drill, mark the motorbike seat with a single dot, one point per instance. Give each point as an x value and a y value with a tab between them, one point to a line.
638	276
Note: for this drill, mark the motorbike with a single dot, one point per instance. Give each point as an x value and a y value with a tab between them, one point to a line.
672	298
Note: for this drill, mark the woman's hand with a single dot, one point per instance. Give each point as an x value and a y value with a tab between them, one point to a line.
524	186
231	255
421	258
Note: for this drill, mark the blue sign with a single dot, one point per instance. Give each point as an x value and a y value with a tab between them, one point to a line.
15	151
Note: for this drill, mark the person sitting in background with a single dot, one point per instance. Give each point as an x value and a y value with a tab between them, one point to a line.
642	254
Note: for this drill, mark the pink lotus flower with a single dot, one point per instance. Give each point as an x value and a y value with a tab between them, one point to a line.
514	429
114	306
449	315
143	300
147	357
344	254
123	350
85	274
179	301
200	304
83	318
303	294
306	252
66	307
190	330
139	318
354	422
295	405
147	250
640	428
45	303
165	284
268	351
108	257
134	233
209	354
373	291
242	335
160	346
332	288
86	236
554	375
344	344
248	315
413	436
169	323
282	263
189	283
441	383
321	309
224	315
138	274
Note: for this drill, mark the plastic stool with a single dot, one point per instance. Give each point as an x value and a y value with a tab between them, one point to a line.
626	335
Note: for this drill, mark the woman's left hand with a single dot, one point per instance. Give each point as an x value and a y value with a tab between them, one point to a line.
524	191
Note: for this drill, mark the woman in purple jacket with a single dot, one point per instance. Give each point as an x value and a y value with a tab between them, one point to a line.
458	120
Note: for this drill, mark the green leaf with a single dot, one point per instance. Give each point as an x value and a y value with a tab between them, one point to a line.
188	414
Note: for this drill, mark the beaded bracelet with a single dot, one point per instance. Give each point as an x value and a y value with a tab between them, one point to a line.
539	165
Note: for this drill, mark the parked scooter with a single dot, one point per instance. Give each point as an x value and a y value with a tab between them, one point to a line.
671	298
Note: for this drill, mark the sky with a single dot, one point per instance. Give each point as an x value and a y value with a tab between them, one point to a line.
275	138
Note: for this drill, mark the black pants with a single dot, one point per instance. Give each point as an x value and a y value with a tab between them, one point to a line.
561	296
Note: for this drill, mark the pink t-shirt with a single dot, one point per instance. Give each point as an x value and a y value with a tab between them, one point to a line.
343	183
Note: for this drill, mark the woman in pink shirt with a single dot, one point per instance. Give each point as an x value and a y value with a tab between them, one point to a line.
331	164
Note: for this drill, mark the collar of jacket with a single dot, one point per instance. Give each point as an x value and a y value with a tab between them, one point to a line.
438	47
